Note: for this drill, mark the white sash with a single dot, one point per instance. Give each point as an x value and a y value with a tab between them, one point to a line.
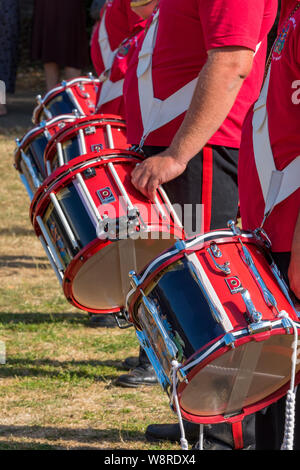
276	185
155	112
109	90
106	52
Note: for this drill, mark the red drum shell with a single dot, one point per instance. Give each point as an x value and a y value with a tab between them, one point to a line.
91	275
90	132
77	94
33	145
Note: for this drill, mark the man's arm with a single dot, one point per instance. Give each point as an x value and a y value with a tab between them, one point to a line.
294	268
218	85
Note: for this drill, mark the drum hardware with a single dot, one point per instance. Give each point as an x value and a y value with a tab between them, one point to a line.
260	234
64	221
59	274
88	197
229	340
121	228
215	250
58	265
29	166
26	185
96	147
234	228
109	137
89	173
268	296
82	146
60	155
122	321
160	374
283	286
221	267
214	310
90	130
151	308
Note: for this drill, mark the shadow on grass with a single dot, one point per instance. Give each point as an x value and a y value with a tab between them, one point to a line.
19	231
40	318
62	370
81	435
28	262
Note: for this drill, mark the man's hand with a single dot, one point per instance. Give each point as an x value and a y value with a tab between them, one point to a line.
154	171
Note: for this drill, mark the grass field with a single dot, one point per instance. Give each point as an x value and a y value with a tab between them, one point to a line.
57	388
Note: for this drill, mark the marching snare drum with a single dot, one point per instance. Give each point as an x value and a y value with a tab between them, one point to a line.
84	136
29	154
95	226
210	315
78	94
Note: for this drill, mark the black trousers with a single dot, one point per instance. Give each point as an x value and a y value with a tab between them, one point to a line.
210	179
270	421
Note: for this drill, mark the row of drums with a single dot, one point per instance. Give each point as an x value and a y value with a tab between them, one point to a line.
207	310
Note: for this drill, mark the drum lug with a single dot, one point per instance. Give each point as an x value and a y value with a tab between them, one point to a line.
180	245
229	340
134	280
259	327
89	173
234	228
119	229
182	377
90	130
261	235
253	315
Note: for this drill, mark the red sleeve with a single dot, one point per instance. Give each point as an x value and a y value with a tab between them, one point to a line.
231	22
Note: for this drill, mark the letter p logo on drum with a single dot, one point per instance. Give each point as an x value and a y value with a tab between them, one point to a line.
2	92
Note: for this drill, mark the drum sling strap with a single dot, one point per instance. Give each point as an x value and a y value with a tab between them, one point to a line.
276	185
109	90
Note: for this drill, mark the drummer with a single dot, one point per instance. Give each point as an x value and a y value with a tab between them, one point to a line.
279	148
113	42
193	127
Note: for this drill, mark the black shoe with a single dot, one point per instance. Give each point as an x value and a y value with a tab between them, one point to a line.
98	320
171	432
130	363
141	375
211	444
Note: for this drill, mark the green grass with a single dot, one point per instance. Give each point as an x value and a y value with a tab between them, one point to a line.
57	388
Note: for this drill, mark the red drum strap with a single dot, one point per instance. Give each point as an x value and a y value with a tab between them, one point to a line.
237	434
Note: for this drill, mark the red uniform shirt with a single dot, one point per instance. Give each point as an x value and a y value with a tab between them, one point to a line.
283	106
186	31
120	20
